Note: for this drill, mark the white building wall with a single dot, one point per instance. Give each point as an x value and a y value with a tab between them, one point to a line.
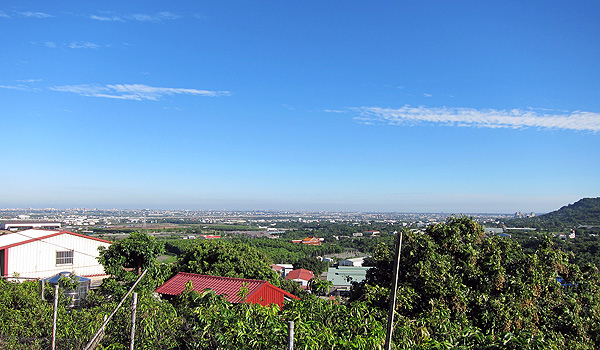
351	262
302	282
38	259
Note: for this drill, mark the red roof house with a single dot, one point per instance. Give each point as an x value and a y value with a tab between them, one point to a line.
259	292
309	241
301	276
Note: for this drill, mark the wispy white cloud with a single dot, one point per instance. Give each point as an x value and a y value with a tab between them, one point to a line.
427	95
83	45
35	14
156	17
73	45
21	87
141	17
4	14
107	18
14	87
136	92
480	118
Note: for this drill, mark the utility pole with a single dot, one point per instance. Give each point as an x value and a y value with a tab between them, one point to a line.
394	292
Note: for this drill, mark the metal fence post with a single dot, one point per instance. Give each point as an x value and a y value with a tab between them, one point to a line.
55	317
133	310
394	292
291	335
42	287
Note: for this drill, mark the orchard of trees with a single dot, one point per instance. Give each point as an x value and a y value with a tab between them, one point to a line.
458	289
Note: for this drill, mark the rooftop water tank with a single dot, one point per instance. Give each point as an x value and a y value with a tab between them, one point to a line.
74	295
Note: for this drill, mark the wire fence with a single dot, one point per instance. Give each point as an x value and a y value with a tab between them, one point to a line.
27	343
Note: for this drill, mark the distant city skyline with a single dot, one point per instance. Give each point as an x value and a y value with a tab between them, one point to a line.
469	107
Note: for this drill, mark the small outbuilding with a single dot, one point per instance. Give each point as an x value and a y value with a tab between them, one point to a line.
301	276
282	269
352	262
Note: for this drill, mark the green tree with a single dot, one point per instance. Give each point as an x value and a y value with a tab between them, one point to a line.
221	258
453	276
319	286
312	264
125	261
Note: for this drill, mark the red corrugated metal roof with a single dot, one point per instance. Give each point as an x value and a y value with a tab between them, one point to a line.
302	274
261	292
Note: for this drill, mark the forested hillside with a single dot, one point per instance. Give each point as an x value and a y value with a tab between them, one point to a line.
585	212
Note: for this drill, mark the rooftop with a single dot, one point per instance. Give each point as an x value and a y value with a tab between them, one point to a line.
302	274
220	285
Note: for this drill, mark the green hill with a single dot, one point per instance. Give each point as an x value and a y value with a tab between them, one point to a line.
585	211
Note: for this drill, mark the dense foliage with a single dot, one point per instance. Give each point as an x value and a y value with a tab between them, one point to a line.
277	250
488	287
193	321
26	320
222	258
210	322
312	264
124	261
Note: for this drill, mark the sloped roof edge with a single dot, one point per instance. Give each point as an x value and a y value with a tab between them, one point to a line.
55	233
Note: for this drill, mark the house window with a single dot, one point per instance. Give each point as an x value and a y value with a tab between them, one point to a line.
65	257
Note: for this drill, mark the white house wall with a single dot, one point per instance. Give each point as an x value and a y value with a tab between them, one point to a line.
38	259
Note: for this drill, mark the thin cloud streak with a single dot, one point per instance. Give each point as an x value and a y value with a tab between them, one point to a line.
137	92
83	45
107	19
157	17
140	17
484	118
14	87
35	14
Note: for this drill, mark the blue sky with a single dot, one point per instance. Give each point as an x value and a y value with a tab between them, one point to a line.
413	106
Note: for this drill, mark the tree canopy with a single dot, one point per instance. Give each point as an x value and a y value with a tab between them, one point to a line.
488	285
311	264
222	258
124	261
